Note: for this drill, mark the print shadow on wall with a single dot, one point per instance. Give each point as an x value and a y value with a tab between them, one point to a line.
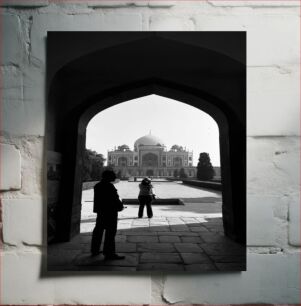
153	120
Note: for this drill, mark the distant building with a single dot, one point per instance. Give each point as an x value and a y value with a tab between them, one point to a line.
151	158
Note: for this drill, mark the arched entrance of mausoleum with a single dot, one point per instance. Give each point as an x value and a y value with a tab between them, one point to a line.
211	81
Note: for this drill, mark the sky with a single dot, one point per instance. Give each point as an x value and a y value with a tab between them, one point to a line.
172	121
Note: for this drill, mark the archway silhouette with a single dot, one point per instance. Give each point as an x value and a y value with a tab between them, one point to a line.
205	79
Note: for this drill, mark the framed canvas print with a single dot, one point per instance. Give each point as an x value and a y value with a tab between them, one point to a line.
146	151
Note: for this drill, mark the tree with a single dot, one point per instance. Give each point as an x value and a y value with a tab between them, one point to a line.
92	165
205	169
182	173
97	169
87	166
175	173
118	175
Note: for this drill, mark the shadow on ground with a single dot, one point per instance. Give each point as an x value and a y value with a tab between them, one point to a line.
158	244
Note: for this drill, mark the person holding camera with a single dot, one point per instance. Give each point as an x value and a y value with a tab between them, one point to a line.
106	205
146	196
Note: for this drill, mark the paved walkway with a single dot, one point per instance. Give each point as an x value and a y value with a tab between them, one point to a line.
178	238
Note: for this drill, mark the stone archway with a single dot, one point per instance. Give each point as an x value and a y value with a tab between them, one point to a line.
80	85
149	172
150	160
122	161
177	161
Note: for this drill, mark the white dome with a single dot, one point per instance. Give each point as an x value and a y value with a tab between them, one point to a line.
149	140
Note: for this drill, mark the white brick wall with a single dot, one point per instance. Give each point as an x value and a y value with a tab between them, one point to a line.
278	89
261	220
262	282
166	23
10	168
24	3
14	47
294	220
26	284
23	222
273	33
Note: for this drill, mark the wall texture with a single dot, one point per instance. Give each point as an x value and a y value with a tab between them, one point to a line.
273	169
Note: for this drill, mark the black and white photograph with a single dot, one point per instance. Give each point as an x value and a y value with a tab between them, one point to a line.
146	151
150	152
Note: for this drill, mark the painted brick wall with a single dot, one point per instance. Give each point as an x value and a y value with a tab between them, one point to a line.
273	31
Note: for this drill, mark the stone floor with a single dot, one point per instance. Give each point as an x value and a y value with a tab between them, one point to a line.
178	238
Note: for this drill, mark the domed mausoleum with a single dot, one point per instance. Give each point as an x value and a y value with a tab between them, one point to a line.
151	158
148	140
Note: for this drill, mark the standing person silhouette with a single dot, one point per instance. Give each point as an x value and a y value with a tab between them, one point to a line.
106	205
145	197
